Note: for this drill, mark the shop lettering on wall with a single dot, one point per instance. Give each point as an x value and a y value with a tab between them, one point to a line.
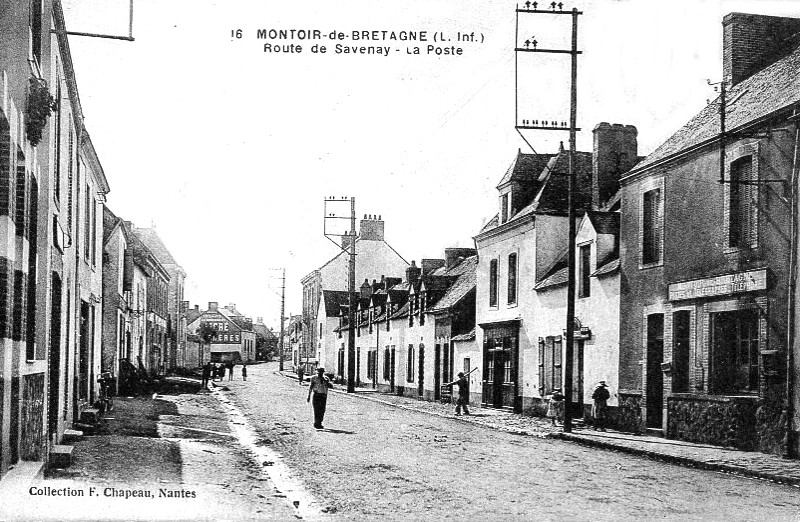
750	281
224	335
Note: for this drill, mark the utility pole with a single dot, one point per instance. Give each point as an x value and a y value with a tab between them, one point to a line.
283	305
531	45
350	248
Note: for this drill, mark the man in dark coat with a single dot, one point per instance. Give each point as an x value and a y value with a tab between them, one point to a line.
600	398
463	393
206	374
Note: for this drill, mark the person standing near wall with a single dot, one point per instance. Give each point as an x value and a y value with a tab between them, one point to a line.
600	398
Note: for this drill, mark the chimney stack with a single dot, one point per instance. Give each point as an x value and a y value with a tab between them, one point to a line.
366	289
371	228
213	306
452	256
615	152
752	42
412	272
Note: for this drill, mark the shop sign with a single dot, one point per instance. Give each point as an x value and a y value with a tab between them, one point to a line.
750	281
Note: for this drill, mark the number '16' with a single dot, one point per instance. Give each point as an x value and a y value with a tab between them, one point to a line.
236	33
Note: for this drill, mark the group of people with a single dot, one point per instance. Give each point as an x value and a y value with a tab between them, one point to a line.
320	383
216	371
600	396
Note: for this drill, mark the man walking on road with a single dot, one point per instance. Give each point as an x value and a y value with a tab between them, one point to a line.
463	393
318	386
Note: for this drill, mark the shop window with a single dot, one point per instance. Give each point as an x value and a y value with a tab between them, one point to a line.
512	278
681	321
735	350
493	282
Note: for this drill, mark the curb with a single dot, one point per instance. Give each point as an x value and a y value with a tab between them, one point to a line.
568	437
681	461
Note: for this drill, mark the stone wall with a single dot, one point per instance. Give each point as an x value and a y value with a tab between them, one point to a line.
770	423
628	417
729	421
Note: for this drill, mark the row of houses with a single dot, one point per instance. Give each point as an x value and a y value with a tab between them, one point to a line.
686	274
82	291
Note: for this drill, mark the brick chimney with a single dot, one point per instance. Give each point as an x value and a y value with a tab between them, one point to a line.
213	306
452	256
412	272
614	153
371	228
366	289
751	42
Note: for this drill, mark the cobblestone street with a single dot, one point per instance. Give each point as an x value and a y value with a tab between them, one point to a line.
439	468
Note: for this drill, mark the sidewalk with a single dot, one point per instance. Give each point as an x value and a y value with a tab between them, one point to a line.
167	456
703	456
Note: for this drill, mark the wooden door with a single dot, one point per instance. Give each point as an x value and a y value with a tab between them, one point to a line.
655	376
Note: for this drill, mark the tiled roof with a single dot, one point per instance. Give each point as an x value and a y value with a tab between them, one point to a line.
556	277
605	222
608	268
464	337
402	312
525	168
464	274
153	241
492	223
550	187
773	88
334	300
553	195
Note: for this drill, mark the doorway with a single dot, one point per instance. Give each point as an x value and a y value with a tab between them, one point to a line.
655	380
54	358
437	369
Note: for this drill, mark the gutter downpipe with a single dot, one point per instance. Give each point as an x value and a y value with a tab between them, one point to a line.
789	441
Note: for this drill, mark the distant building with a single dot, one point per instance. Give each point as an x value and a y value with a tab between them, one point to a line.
235	341
266	341
374	258
175	342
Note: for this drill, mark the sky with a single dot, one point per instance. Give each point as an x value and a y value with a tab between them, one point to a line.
229	151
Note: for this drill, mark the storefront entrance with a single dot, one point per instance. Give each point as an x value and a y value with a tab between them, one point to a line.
500	365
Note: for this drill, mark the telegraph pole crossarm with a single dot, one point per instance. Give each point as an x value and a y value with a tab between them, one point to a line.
349	247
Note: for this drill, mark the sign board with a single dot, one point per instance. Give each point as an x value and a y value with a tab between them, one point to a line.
740	282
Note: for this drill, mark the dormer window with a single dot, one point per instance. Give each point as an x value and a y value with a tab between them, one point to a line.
505	207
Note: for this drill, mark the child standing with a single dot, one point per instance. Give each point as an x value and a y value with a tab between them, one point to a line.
555	408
